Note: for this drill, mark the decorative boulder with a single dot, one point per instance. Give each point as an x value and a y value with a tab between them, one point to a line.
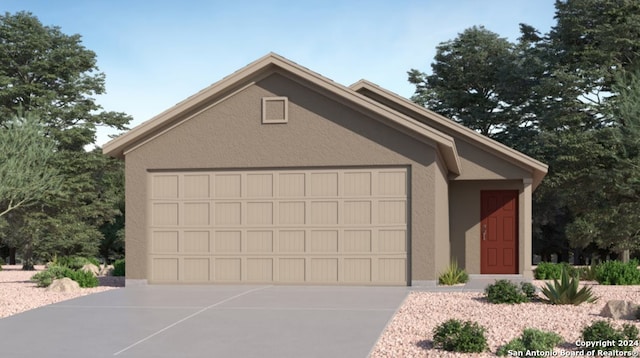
64	284
619	309
106	270
95	270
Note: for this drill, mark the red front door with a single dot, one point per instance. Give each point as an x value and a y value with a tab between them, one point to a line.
499	232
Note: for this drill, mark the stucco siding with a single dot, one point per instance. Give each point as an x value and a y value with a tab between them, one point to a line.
478	164
321	132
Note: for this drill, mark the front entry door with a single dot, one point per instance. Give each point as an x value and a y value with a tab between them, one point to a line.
499	232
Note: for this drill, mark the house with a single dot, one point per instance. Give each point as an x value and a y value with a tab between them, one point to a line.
276	174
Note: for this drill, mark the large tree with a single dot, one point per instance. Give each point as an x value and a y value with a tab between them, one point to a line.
561	103
49	73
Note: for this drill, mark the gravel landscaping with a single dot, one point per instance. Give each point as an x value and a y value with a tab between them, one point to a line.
410	332
19	294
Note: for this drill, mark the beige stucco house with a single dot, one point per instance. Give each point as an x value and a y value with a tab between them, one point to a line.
276	174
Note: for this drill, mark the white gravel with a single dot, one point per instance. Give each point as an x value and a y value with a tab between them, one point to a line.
19	294
410	332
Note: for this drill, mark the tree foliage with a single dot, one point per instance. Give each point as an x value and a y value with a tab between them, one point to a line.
570	98
51	74
26	164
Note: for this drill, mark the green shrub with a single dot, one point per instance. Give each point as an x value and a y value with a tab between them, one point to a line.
618	273
83	278
587	273
453	275
565	291
53	272
75	262
457	336
118	268
529	290
601	331
531	340
551	271
505	291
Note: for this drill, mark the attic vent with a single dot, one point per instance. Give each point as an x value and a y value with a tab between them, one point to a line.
275	110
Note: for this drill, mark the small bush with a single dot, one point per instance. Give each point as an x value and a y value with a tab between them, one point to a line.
601	331
83	278
53	272
529	290
46	277
119	268
565	291
618	273
457	336
453	275
505	291
75	262
531	340
551	271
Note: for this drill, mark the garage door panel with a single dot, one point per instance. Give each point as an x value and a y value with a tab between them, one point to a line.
228	241
196	242
196	270
291	241
260	213
357	241
259	269
323	241
228	213
292	213
324	270
260	241
196	186
228	269
165	241
314	226
196	214
165	214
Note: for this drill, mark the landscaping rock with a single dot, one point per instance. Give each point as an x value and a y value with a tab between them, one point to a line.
106	270
95	270
619	309
64	284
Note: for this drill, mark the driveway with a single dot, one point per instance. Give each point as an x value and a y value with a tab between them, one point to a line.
206	321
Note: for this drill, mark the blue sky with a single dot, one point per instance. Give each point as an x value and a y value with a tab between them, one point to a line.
157	53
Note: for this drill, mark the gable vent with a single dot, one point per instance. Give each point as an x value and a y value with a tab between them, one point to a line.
275	109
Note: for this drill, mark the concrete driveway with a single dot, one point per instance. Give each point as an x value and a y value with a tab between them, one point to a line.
206	321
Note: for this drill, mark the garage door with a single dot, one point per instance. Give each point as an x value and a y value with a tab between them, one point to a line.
340	226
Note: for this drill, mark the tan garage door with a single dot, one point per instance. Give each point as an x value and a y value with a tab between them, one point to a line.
340	226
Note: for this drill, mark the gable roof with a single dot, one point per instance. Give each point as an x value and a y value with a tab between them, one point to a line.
364	96
405	106
269	64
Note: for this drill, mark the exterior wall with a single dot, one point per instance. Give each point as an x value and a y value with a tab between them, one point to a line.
464	214
321	132
478	165
443	245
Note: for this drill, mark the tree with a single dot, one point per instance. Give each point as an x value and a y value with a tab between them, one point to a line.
470	81
26	171
51	74
561	103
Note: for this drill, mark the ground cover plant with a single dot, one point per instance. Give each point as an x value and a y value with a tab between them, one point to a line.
531	340
618	273
460	336
505	291
621	339
66	267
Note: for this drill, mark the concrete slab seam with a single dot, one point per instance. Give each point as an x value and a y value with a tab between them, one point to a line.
187	318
